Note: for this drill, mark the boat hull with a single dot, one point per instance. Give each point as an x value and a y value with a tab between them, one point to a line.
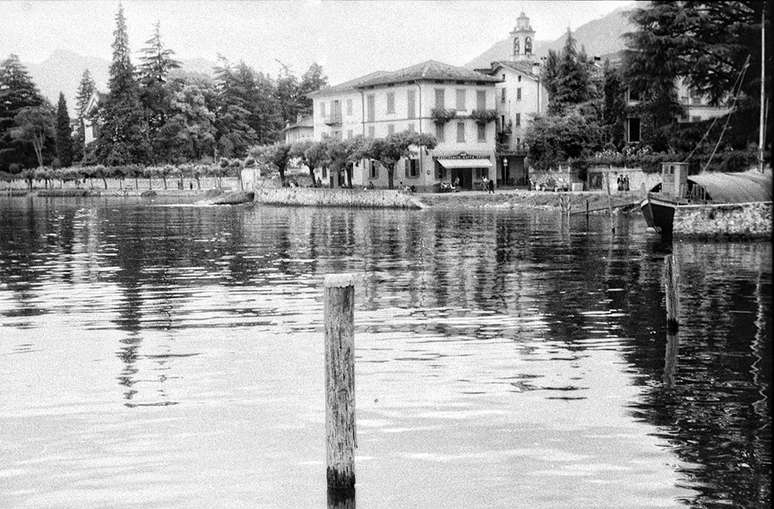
659	214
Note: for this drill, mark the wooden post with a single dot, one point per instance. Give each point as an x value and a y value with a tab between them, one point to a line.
671	288
339	306
587	210
670	359
609	202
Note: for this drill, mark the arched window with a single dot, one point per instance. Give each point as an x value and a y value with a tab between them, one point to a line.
515	45
528	46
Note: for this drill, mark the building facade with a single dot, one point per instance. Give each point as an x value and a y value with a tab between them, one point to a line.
418	98
520	95
302	129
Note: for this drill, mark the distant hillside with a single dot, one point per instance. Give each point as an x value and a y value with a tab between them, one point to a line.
600	37
63	69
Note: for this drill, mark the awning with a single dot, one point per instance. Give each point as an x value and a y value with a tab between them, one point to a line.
451	164
735	187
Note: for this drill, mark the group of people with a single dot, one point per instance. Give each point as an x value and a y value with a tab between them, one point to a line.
487	185
623	183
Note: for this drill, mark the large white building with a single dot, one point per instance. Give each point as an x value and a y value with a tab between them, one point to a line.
413	99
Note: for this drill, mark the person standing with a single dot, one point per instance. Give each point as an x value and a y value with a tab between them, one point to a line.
490	186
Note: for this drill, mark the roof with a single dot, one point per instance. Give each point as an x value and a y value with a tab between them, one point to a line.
522	67
735	187
304	122
347	85
428	70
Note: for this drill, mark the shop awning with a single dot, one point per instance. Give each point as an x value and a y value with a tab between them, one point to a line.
451	164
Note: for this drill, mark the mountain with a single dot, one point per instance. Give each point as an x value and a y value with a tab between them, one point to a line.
63	69
600	37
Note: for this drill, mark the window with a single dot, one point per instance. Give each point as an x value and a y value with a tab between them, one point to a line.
390	102
322	108
390	129
337	135
460	102
503	77
324	172
518	120
481	132
411	98
502	95
695	119
370	107
460	132
481	100
373	169
439	98
411	167
518	94
634	129
336	110
439	128
410	128
528	45
502	121
349	134
349	106
519	78
370	131
633	96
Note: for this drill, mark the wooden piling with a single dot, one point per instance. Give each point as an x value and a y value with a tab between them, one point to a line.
670	359
609	203
587	210
671	289
339	305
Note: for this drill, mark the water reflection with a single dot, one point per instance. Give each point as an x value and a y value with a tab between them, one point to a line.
519	351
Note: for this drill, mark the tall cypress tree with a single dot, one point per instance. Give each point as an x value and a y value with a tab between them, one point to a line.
17	91
120	139
64	139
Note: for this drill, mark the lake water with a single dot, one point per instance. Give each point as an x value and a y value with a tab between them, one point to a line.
172	356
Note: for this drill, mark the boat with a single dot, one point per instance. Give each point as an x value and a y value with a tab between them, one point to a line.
679	189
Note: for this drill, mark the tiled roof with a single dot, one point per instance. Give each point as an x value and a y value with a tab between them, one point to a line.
429	70
347	85
522	67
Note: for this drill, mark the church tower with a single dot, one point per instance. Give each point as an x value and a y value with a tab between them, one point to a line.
522	40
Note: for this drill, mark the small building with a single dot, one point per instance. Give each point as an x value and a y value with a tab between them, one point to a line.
302	129
90	121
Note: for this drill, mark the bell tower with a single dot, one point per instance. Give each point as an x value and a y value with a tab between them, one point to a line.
522	40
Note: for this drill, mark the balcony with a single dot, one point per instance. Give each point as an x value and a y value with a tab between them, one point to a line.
334	119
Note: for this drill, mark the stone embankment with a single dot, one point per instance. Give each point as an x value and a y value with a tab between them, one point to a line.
324	197
597	201
731	220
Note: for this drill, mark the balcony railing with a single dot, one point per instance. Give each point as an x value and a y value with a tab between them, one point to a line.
332	119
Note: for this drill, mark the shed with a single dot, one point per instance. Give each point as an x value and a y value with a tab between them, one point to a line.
741	187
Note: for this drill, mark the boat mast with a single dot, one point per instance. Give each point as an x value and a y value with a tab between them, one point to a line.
762	126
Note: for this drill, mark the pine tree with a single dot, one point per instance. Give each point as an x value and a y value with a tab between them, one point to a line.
234	132
121	139
157	60
573	81
17	91
64	140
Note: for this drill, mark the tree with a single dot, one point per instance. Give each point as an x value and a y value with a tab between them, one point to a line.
556	139
298	150
567	77
614	106
121	139
64	139
157	62
275	156
312	80
86	89
17	91
33	125
388	151
704	43
232	113
189	132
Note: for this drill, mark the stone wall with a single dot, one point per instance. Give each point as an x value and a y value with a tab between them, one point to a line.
742	220
322	197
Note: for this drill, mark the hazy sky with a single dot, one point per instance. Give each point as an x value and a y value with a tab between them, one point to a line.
347	38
